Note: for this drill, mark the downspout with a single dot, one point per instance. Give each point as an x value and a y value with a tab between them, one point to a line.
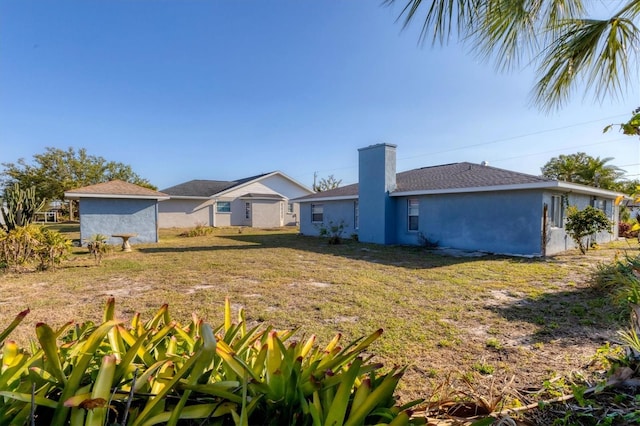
157	224
545	209
213	212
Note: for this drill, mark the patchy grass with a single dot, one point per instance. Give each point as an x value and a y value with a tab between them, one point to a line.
498	316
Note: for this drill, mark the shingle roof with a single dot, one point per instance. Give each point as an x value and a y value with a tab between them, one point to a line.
443	177
343	191
114	188
460	175
206	188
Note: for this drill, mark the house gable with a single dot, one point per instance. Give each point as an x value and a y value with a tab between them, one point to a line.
224	203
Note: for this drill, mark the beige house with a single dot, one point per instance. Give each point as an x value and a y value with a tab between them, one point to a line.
261	201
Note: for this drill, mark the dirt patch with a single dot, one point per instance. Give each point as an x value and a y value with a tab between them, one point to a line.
198	288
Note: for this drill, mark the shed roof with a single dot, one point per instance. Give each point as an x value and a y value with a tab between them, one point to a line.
115	189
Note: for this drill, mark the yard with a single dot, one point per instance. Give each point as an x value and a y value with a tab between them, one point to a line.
485	320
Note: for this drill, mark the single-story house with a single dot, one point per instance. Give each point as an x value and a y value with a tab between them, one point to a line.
462	205
261	201
115	208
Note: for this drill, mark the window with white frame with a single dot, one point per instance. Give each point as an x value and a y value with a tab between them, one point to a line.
413	213
356	215
290	208
247	210
317	212
223	206
557	211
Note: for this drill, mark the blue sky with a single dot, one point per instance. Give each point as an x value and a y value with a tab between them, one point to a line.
222	89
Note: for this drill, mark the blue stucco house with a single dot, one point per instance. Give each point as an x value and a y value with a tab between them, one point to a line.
117	207
462	205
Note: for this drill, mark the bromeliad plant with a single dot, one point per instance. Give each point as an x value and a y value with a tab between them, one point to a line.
161	371
25	247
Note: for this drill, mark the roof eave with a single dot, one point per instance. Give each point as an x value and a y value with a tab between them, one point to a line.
557	185
190	197
336	198
77	196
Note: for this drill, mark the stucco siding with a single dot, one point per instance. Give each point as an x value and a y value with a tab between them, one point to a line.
237	217
377	177
334	212
291	219
222	219
266	214
118	216
180	213
502	222
557	239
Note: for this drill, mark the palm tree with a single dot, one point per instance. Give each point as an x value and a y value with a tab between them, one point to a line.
558	36
565	167
584	169
600	174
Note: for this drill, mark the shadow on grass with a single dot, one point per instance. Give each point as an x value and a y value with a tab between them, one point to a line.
566	317
404	256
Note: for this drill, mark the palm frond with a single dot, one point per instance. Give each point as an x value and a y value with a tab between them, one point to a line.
596	51
442	17
556	35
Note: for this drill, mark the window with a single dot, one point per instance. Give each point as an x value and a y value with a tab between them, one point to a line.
599	204
557	211
223	206
290	208
356	215
317	211
413	211
247	210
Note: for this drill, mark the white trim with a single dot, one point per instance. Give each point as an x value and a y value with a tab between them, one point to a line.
76	195
234	188
558	185
338	198
189	197
264	197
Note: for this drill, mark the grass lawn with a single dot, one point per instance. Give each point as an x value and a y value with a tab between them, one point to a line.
482	319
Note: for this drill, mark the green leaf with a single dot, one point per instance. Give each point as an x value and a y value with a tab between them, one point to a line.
47	340
340	402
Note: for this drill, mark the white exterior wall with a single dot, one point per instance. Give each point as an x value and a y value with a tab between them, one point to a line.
186	213
180	213
266	214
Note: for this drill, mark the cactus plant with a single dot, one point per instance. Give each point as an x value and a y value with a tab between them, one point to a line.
21	206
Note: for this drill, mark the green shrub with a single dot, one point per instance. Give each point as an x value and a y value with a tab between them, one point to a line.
199	230
581	224
30	246
333	232
54	249
161	371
